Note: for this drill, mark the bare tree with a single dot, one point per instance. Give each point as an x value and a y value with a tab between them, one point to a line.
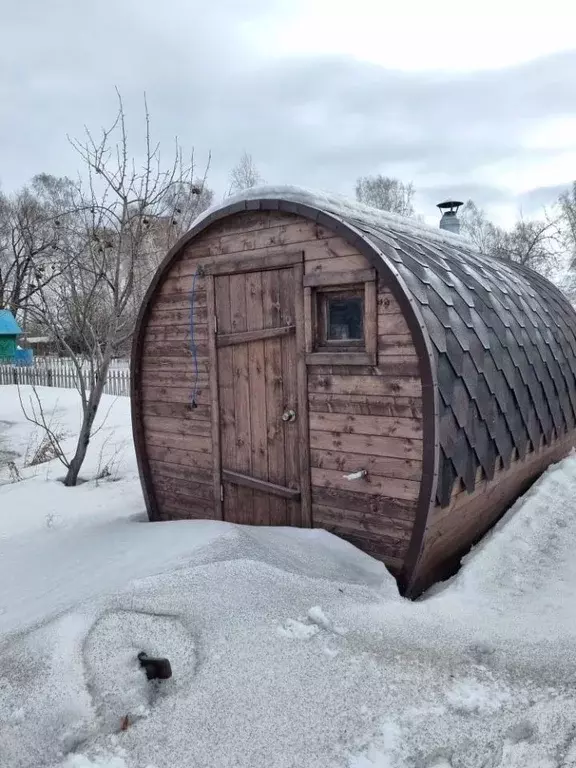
90	309
31	242
565	233
183	203
475	225
566	223
386	193
530	243
50	446
244	175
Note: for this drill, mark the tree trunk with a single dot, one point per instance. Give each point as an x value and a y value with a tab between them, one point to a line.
90	412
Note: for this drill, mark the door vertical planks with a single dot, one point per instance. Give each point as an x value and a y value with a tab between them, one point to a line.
290	393
241	383
274	394
257	385
302	399
226	392
215	404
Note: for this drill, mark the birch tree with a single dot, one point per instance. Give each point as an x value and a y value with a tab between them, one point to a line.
244	175
31	242
566	223
386	193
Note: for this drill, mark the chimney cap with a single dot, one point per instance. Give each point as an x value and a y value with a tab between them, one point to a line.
450	205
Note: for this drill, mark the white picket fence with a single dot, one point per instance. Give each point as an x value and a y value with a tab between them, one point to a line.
57	372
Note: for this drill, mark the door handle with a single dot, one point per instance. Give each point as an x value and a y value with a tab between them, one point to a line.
289	415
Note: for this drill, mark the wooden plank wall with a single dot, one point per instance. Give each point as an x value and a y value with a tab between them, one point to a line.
451	530
364	417
361	417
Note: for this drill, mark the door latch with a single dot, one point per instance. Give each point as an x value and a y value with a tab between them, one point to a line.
289	415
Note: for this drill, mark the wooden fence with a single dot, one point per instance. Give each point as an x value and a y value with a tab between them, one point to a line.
61	373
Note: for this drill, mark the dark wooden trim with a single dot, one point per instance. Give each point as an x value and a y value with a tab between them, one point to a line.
260	485
226	339
340	358
140	446
350	277
371	321
309	319
214	396
282	258
302	390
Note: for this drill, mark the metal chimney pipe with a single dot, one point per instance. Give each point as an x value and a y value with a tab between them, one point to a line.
450	221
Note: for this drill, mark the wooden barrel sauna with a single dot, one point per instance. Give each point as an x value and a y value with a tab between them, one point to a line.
301	361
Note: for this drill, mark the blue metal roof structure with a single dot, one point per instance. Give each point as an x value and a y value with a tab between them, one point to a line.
8	324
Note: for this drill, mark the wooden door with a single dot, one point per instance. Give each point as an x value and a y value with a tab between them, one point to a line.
262	418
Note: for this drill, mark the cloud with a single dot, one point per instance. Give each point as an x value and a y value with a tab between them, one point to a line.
316	120
534	200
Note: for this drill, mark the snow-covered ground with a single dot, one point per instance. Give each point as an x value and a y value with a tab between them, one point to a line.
289	648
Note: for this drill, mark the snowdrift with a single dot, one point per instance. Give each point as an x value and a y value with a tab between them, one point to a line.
288	647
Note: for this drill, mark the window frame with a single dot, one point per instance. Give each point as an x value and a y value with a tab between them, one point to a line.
321	350
323	296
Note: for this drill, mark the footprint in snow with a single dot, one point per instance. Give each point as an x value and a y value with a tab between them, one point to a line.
298	630
303	629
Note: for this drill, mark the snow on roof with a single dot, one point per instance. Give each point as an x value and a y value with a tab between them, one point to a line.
345	208
8	325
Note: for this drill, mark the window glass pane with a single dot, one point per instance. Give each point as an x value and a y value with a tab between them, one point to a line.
345	318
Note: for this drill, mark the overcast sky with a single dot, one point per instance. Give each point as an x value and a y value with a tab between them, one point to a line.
462	103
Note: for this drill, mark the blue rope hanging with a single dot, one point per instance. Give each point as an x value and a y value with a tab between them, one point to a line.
193	348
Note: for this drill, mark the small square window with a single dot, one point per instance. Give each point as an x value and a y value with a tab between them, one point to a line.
340	311
341	318
345	318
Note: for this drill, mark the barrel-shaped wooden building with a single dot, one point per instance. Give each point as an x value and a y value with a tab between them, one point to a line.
300	361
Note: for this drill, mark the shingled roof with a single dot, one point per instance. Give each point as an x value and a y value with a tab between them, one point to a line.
505	351
503	338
